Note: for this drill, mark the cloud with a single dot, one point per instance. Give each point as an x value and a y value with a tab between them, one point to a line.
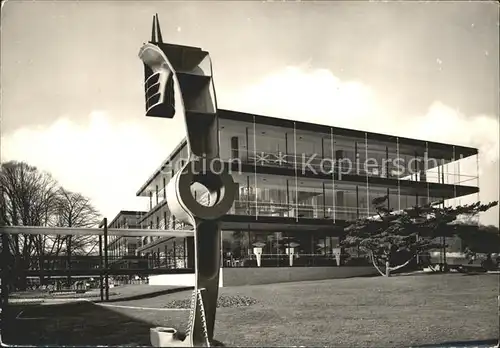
108	160
321	97
105	160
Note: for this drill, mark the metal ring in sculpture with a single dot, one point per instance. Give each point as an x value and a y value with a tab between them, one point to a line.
217	181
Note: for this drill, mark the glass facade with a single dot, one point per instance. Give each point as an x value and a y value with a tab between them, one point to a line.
265	145
277	195
332	175
309	248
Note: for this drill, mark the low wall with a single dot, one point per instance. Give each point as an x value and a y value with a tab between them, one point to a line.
269	275
186	279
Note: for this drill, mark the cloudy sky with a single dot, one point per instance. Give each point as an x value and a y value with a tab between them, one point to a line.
72	95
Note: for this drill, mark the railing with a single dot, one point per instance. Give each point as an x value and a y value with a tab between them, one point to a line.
80	263
263	208
283	260
325	165
169	262
150	204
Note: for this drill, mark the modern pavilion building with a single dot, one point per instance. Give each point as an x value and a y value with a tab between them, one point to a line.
298	183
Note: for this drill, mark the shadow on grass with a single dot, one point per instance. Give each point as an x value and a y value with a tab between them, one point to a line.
481	343
81	324
119	298
420	273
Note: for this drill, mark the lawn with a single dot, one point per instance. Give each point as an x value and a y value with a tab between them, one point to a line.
399	311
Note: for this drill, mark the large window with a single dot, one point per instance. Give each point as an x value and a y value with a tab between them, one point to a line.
265	145
274	195
310	248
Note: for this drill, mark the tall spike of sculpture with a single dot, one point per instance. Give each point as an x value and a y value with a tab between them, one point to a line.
153	30
158	30
167	65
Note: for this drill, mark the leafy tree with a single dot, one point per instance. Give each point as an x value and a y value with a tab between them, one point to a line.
411	231
487	242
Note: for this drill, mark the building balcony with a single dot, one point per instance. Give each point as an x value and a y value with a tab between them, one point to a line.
313	211
458	172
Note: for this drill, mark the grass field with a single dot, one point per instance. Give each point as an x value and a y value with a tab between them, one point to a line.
399	311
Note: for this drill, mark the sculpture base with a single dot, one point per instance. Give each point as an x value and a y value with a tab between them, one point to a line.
169	337
164	337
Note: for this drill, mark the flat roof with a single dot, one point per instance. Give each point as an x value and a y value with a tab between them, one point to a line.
321	128
314	127
126	212
172	154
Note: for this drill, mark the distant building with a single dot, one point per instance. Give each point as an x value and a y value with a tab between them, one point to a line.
119	246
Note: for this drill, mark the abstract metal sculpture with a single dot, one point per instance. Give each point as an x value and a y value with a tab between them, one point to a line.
167	66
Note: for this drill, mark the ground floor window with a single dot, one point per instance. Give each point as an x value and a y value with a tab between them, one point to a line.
246	248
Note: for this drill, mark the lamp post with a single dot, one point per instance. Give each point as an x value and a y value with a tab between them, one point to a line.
290	251
257	251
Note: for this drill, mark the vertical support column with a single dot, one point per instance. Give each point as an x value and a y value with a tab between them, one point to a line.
368	203
247	145
184	252
322	148
5	278
399	175
165	252
386	162
287	198
444	248
164	189
101	266
247	201
442	171
324	198
106	269
357	202
68	260
416	168
454	177
334	165
426	168
174	254
356	157
286	144
255	167
388	200
296	213
190	252
477	175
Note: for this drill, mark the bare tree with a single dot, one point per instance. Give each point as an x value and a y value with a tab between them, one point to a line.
76	210
30	197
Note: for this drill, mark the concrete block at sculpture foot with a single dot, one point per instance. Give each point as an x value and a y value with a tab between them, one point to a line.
164	337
